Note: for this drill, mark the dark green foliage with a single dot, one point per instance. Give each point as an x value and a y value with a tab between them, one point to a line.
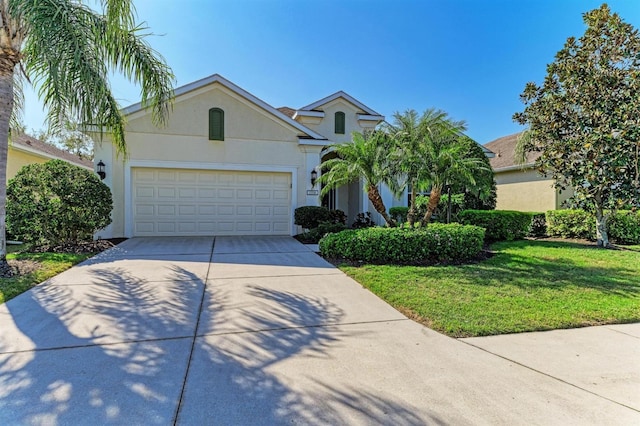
363	220
337	216
482	195
501	225
538	227
314	235
571	224
624	227
399	214
309	217
435	243
583	118
57	203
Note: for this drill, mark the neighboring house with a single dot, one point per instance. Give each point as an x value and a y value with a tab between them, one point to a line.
24	149
227	163
521	187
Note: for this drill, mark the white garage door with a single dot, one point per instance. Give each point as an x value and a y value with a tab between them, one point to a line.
210	202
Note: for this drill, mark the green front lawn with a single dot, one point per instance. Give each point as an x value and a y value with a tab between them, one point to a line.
49	264
526	286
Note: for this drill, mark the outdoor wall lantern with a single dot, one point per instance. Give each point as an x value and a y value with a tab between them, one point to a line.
314	177
101	171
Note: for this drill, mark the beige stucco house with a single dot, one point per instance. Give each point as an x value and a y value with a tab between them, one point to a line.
24	149
228	163
521	187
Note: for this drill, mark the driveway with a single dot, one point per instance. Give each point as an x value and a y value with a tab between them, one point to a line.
263	331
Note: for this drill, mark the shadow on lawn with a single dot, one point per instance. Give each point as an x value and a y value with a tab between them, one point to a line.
558	270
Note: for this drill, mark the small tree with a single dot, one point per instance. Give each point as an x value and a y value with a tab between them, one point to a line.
366	157
585	118
57	203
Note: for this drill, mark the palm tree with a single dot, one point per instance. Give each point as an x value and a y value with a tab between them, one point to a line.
445	163
365	157
68	49
410	132
431	153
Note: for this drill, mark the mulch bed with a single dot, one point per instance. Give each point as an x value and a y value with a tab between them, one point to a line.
16	267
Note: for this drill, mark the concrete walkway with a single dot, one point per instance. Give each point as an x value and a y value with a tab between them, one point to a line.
263	331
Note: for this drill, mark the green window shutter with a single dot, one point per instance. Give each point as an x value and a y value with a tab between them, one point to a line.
216	124
339	120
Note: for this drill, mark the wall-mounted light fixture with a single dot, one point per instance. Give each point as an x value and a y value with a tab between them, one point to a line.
314	177
100	170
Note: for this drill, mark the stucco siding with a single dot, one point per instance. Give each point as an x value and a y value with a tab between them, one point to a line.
190	115
524	191
327	126
18	159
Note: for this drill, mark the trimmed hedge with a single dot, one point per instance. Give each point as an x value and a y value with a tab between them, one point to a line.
500	225
435	243
571	224
56	203
623	225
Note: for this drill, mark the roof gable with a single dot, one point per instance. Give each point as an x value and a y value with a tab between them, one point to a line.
346	97
217	78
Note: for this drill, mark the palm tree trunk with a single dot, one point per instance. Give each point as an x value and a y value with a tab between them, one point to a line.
6	107
411	214
378	204
434	199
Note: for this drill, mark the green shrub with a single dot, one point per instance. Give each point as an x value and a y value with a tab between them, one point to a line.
309	217
433	244
538	227
363	220
571	224
399	214
624	227
314	235
57	203
500	225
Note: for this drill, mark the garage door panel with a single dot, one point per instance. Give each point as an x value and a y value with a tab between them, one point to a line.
209	202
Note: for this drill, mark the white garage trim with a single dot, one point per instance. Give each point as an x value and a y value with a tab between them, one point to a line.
128	195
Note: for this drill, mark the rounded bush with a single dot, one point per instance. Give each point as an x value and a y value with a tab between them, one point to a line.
571	224
309	217
435	243
500	225
624	227
57	203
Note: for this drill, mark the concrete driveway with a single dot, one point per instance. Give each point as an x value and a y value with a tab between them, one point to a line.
263	331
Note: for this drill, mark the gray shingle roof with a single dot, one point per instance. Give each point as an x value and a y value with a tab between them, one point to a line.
505	150
49	150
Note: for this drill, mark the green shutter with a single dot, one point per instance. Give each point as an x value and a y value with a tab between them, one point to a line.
339	119
216	124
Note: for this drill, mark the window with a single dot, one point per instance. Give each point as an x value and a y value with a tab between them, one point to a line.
216	124
339	119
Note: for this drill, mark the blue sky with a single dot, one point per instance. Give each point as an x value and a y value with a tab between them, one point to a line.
470	58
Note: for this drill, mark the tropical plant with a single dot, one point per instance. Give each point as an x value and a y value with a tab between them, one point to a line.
365	157
68	50
434	153
584	119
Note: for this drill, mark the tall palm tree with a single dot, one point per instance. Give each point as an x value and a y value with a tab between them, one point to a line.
67	50
444	162
410	132
365	157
